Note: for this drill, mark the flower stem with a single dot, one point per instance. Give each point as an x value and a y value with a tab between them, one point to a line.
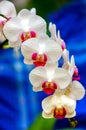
3	43
3	16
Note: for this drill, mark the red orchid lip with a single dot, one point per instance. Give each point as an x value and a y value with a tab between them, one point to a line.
39	59
59	112
49	87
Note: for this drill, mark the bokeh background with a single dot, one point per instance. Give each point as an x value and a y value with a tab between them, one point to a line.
20	107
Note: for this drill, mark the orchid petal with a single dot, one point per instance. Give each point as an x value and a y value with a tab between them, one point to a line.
33	11
66	56
68	103
15	44
54	51
37	76
36	89
70	115
62	78
52	29
28	61
76	90
7	8
72	66
27	21
12	29
48	104
49	115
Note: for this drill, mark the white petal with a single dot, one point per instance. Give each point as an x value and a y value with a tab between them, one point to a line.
53	50
48	104
15	44
66	56
52	29
33	11
59	40
37	89
70	115
2	38
51	66
28	61
37	76
27	21
7	8
45	115
62	78
72	66
68	103
29	47
12	29
77	90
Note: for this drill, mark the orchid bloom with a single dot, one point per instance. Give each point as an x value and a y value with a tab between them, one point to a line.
38	51
58	106
49	78
70	65
7	11
54	36
25	26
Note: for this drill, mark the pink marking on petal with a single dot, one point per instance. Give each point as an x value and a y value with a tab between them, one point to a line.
22	37
34	55
76	78
63	45
75	72
33	34
2	23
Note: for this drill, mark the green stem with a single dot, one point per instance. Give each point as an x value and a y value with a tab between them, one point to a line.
3	16
3	43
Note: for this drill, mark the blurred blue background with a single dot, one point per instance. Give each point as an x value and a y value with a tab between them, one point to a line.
20	107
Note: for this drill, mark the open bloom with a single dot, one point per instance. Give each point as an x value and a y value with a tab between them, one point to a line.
26	25
38	51
49	78
7	9
70	65
58	106
55	37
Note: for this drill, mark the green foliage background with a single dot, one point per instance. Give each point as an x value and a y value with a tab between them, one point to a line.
44	7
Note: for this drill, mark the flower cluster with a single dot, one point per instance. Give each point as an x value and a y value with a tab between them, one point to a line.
27	31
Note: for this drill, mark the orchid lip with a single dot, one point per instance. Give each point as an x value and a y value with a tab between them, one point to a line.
39	59
59	112
49	87
27	35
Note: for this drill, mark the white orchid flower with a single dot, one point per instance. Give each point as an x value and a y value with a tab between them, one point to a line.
54	36
26	25
75	90
7	10
49	78
38	51
70	65
58	106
